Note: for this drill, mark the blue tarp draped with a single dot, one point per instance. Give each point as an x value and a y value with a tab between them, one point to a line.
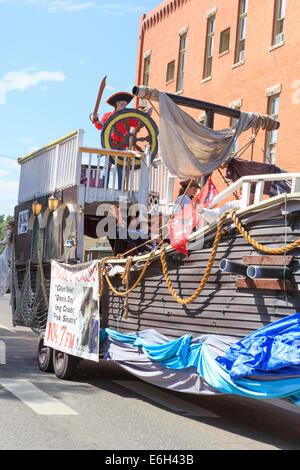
274	349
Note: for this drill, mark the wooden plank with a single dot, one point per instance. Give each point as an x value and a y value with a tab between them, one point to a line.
121	153
270	284
176	332
268	260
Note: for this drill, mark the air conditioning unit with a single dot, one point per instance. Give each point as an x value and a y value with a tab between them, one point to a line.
278	38
242	55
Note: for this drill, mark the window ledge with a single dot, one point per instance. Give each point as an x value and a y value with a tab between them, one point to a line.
241	62
221	54
205	80
169	81
179	92
275	46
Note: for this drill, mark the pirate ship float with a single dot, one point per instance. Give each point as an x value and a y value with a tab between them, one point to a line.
175	321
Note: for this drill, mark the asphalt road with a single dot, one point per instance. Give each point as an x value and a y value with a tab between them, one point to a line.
105	408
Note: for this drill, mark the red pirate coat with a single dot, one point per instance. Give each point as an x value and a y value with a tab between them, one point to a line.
120	127
99	124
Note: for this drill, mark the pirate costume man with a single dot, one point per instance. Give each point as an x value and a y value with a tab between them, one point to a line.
119	101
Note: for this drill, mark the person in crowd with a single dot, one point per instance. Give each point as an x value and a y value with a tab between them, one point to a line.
5	258
189	194
130	233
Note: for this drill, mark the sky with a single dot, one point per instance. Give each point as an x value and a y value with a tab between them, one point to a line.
54	55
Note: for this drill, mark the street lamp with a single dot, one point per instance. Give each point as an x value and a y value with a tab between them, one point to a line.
53	202
36	207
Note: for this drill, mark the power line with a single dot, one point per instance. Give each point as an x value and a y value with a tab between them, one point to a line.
6	156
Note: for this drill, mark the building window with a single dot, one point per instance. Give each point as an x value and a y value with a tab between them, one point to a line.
170	71
271	138
241	32
209	46
146	71
182	51
279	16
224	41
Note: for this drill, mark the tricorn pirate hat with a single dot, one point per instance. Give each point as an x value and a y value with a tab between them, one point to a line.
193	184
120	96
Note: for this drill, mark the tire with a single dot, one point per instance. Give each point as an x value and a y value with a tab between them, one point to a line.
64	364
44	355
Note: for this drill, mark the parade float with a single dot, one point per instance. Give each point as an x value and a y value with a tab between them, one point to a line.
220	316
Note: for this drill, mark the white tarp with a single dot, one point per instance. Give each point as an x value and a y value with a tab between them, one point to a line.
190	149
73	324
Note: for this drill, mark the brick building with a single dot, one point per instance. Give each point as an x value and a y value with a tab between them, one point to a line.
237	53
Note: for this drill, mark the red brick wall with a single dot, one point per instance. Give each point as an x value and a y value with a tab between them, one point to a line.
262	68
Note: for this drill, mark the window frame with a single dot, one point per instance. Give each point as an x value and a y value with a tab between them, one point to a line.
220	43
146	74
279	6
241	26
270	145
172	63
181	61
209	46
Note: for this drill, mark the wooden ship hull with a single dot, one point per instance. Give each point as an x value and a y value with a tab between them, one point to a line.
230	303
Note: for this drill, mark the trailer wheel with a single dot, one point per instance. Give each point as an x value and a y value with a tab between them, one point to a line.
44	355
64	364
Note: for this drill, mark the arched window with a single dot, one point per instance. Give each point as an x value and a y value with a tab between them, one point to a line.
37	241
51	239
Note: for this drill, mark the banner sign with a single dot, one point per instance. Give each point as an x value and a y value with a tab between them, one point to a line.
73	324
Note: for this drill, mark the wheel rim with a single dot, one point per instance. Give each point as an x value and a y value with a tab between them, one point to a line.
42	353
59	359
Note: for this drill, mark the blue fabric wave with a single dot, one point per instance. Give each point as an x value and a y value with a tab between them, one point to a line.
275	347
180	354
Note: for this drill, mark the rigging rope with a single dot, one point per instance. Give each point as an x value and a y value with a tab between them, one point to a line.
207	270
257	245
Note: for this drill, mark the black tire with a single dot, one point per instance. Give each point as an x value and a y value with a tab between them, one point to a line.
44	355
64	364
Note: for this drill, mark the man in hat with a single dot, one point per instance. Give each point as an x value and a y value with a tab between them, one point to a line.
119	101
190	193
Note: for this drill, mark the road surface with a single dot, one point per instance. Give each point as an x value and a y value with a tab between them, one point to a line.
105	408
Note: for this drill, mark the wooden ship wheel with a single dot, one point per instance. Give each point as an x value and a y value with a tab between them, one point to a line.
130	129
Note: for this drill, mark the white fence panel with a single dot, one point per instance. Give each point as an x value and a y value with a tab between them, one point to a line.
51	168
